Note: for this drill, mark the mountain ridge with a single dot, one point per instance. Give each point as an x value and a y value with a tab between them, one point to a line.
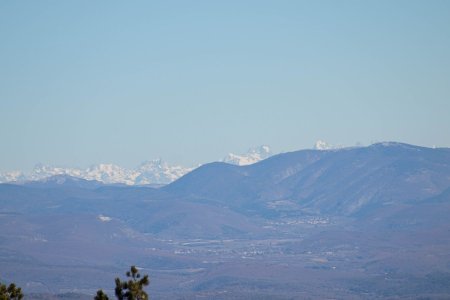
150	172
359	215
345	180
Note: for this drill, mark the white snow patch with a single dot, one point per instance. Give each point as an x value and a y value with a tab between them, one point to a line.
104	218
322	145
252	156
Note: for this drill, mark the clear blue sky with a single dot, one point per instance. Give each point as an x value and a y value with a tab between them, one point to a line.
85	82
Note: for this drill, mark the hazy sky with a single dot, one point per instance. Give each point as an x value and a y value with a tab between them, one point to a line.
85	82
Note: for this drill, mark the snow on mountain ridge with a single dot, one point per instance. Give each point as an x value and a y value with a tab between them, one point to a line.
12	176
252	156
159	172
110	173
150	172
322	145
154	171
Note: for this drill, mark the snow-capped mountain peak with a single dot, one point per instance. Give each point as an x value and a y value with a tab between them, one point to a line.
12	176
159	172
322	145
110	173
149	172
155	171
252	156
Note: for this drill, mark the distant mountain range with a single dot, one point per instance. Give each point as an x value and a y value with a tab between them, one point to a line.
252	156
147	173
348	223
322	145
344	181
153	172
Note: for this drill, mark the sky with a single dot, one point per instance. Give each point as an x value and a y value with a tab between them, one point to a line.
85	82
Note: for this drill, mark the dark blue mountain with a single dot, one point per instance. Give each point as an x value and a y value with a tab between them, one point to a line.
65	181
355	223
346	181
